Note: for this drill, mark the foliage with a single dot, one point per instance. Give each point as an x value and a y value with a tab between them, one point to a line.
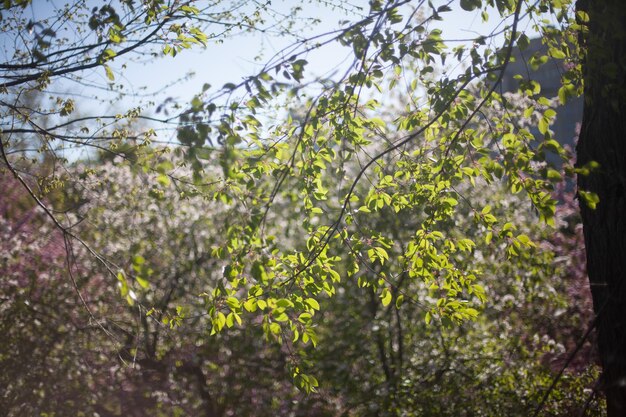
438	363
124	360
498	364
302	215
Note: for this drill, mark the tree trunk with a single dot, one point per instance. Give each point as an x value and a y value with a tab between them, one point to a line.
603	140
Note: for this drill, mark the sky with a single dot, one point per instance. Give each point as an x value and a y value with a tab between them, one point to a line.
148	82
233	60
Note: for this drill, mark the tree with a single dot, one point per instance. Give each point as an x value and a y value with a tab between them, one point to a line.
370	358
601	154
335	160
114	358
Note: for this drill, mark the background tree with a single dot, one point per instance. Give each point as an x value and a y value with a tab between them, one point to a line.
371	359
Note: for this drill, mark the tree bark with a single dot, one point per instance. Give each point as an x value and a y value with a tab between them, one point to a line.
603	140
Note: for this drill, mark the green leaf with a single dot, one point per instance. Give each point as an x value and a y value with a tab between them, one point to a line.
582	16
399	301
386	297
233	303
428	317
470	5
275	328
142	282
543	126
190	10
280	317
164	180
258	272
566	92
523	42
109	73
313	303
284	303
590	199
304	318
556	53
108	54
250	305
230	320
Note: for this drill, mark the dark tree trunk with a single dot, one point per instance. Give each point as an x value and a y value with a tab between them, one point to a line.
603	139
